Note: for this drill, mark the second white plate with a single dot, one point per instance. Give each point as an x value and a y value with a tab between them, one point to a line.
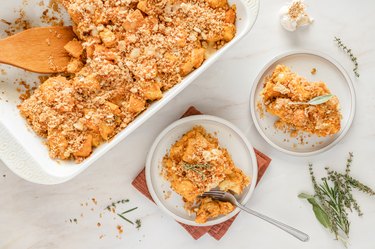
327	70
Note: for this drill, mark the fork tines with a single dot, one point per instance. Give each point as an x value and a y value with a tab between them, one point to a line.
214	193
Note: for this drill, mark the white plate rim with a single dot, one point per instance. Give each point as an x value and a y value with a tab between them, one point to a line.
250	148
352	99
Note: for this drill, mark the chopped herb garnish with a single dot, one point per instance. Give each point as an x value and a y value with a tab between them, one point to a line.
122	215
349	52
113	204
333	199
197	168
132	209
138	223
131	222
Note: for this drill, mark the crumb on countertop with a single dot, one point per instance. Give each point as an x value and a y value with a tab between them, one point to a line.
119	229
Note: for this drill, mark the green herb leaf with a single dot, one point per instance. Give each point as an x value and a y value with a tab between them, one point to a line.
333	199
305	196
320	99
132	209
131	222
315	101
138	223
113	204
197	168
321	216
347	50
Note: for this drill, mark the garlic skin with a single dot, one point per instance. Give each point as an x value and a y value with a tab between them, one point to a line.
292	23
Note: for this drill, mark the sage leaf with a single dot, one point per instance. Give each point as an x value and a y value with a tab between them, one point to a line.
312	201
321	216
320	99
314	101
305	196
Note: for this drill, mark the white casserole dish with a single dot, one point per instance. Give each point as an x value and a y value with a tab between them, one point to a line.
24	152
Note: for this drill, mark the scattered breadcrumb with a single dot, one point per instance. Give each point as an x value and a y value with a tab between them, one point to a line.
20	24
119	229
260	109
167	194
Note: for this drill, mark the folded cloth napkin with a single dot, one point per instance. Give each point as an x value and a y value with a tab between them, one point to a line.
216	231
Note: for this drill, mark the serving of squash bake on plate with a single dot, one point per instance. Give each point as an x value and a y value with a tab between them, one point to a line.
195	164
287	96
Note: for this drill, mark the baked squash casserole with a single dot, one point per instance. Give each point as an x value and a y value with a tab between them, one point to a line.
127	53
196	164
286	95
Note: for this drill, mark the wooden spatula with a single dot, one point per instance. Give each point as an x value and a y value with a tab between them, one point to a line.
39	50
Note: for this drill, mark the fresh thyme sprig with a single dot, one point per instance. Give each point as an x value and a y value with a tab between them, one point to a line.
197	168
333	199
113	204
349	52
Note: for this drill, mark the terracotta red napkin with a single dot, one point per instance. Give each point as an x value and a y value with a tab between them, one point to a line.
216	231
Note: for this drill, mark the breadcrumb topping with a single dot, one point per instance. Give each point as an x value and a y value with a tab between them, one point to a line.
196	164
128	52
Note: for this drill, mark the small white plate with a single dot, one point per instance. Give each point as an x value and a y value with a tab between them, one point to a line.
328	71
229	137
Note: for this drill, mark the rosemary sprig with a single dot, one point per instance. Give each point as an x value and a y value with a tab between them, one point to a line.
131	222
333	199
132	209
347	50
197	168
127	211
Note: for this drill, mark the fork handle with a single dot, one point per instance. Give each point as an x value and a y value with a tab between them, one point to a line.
292	231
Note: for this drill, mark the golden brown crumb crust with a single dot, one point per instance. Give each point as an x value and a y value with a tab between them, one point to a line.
127	54
195	164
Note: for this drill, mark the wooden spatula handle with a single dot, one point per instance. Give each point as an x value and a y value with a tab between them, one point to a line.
38	49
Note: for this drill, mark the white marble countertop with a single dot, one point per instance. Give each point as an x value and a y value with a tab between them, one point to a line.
36	216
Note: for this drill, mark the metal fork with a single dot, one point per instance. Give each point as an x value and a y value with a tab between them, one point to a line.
225	196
